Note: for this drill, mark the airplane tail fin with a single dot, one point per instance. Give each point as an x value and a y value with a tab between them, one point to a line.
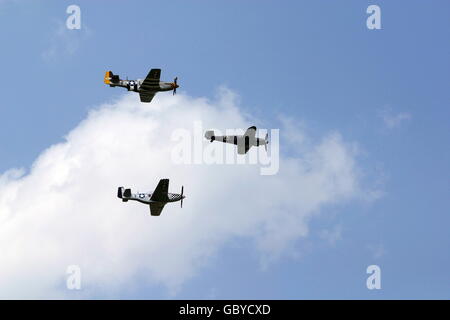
123	193
210	135
108	76
111	78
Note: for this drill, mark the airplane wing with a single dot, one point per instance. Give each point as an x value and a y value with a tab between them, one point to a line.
250	132
248	140
243	145
151	81
146	96
160	193
156	208
242	142
249	135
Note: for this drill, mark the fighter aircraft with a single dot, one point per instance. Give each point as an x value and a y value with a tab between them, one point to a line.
156	200
147	88
244	142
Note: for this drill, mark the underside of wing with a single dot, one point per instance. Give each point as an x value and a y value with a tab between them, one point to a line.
247	140
156	208
243	146
146	96
151	82
160	193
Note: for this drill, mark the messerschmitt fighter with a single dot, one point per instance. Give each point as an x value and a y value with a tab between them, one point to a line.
156	200
147	88
244	142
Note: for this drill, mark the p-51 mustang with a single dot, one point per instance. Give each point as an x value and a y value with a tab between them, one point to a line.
244	142
147	88
156	200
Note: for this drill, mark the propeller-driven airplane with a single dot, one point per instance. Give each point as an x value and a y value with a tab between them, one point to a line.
156	200
147	88
244	142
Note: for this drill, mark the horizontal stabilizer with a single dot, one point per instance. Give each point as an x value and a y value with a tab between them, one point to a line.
210	135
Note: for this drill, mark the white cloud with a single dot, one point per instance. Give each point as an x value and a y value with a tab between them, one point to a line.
65	211
65	42
393	120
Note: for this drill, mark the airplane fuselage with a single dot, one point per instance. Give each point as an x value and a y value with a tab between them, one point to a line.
135	85
147	88
244	142
146	197
156	200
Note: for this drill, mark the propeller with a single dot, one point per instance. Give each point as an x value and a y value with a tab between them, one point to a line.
267	141
176	85
182	189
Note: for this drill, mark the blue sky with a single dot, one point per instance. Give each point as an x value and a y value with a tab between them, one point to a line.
313	61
